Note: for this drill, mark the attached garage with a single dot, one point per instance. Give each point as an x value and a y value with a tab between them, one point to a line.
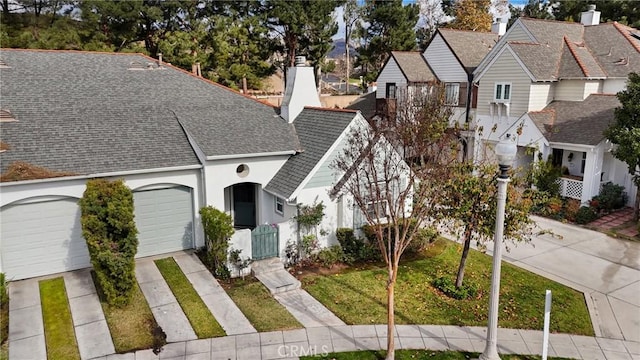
164	218
42	237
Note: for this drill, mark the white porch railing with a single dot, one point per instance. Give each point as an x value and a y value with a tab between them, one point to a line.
570	188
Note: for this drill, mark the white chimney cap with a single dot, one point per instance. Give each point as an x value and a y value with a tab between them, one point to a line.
300	61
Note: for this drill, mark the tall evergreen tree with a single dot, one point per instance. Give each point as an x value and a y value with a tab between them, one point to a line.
388	26
626	12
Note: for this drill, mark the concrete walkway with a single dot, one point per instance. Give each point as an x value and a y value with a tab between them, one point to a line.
606	269
163	303
292	344
213	295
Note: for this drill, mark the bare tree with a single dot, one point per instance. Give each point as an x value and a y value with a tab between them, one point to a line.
394	170
351	16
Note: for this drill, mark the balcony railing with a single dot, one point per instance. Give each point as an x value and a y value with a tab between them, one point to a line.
570	188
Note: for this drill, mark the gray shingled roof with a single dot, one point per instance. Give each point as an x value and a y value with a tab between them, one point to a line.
413	66
611	47
366	104
571	50
317	130
469	46
86	113
576	122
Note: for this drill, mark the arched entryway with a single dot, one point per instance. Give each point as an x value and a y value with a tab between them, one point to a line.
241	202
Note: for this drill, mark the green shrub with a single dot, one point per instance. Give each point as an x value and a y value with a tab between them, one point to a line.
4	295
544	176
218	229
586	215
611	197
421	239
329	256
110	231
448	287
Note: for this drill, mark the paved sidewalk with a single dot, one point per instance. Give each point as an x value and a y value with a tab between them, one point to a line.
606	269
307	310
312	341
26	330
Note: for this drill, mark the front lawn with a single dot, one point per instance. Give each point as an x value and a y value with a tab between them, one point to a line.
415	355
60	336
132	326
358	296
203	323
263	311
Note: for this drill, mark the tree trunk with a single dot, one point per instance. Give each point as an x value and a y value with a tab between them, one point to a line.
390	316
244	85
346	40
465	253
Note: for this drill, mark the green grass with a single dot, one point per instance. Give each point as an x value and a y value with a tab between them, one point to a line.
415	355
59	333
131	326
4	319
257	304
358	296
201	319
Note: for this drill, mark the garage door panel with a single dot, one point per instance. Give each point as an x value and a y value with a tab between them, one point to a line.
42	238
164	218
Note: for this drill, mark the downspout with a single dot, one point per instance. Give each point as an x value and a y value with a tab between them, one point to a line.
467	111
298	247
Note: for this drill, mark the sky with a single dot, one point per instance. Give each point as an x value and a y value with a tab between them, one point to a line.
339	12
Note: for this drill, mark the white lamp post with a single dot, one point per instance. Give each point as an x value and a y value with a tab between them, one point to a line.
506	151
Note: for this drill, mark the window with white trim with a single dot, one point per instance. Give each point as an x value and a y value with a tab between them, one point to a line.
502	92
377	206
279	205
452	93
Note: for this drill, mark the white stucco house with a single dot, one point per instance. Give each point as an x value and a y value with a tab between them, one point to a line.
179	141
552	84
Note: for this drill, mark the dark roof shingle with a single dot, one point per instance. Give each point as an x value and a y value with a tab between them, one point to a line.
86	113
469	46
318	129
576	122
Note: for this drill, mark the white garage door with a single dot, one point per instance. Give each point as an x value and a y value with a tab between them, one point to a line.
164	218
42	238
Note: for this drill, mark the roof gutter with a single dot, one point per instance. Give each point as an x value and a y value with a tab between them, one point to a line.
101	175
240	156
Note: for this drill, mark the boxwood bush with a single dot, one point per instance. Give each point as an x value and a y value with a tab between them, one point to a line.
110	231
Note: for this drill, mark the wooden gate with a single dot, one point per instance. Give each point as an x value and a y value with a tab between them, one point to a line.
264	242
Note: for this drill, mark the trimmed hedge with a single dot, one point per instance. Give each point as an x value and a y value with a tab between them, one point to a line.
110	231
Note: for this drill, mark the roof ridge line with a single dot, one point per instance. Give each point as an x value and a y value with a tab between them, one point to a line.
575	56
321	108
626	35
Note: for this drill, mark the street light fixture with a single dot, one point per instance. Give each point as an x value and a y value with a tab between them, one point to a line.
506	151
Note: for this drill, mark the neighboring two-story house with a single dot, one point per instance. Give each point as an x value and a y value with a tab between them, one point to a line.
450	58
551	83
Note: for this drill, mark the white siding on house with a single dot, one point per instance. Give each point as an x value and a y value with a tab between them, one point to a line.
517	33
577	90
613	86
325	175
391	73
540	95
505	69
514	33
443	62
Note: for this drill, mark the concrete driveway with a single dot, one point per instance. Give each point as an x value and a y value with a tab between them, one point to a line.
606	269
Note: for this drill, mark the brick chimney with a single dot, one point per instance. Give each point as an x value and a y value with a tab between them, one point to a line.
590	17
300	90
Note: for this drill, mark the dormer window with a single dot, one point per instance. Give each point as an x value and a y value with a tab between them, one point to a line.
502	93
